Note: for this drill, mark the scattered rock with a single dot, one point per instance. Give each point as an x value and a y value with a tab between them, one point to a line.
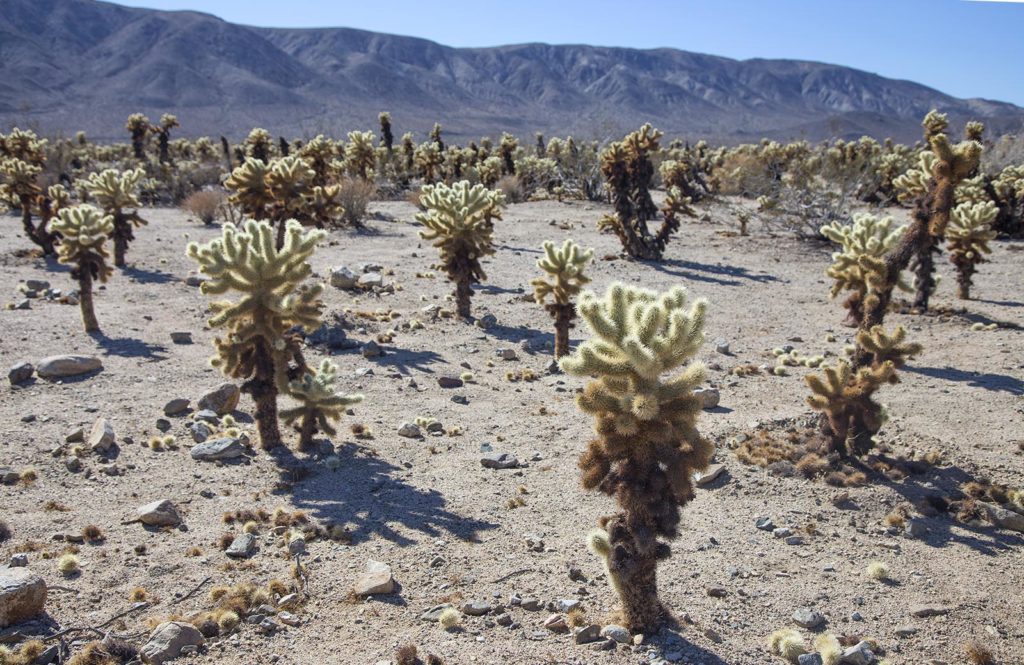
289	619
20	373
222	400
242	547
617	633
722	346
101	436
22	595
76	435
587	634
567	605
19	560
375	580
168	640
37	285
181	337
371	350
159	513
809	659
410	431
708	476
922	611
531	604
196	280
370	280
807	617
343	278
476	608
860	654
1001	517
717	591
906	631
56	367
710	397
507	354
73	464
331	336
450	382
764	524
176	406
499	461
556	624
533	542
434	613
915	528
200	431
206	416
487	321
218	449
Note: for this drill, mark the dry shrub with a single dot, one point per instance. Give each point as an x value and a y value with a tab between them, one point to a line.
744	175
979	654
205	204
355	195
510	186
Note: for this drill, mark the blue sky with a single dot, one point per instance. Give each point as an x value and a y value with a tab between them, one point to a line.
962	47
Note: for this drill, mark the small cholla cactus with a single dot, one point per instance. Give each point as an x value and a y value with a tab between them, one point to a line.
459	219
22	158
248	187
115	192
319	403
844	393
139	127
647	446
968	235
163	132
565	266
429	162
84	231
259	344
258	144
360	155
507	149
435	136
867	238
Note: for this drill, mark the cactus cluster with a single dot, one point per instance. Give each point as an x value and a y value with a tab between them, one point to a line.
564	267
84	231
647	446
22	158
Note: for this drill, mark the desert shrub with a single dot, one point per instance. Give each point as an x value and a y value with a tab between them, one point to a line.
355	195
511	188
205	205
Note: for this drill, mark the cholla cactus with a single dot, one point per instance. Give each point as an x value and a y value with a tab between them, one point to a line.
507	149
84	231
845	393
1008	188
459	219
387	139
868	237
163	132
249	190
319	153
22	158
564	265
258	144
429	162
116	192
258	345
648	446
139	127
435	136
968	235
320	404
360	155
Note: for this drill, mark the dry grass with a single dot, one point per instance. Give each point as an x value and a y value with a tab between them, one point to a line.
512	188
978	654
355	196
204	205
92	533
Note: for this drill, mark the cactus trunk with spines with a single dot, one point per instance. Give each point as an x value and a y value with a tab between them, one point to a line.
115	192
139	127
647	446
387	138
84	231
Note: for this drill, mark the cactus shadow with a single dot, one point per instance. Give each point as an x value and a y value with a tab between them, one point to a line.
990	382
671	639
129	347
404	360
367	496
517	334
144	276
724	275
1001	303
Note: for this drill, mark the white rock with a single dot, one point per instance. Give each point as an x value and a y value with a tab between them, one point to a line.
375	580
168	640
56	367
159	513
101	436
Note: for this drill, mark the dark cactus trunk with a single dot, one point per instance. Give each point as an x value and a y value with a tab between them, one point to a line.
84	274
924	273
633	567
263	389
563	315
139	144
165	152
463	292
122	234
307	431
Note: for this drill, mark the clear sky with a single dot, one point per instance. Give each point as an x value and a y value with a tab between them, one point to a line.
967	48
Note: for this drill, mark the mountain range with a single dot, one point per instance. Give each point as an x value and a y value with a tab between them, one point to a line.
67	65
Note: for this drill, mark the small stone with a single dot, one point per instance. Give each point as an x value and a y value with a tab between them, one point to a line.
375	580
922	611
181	337
617	633
858	655
297	545
450	382
20	373
22	595
25	303
196	280
499	461
782	532
507	354
809	659
200	431
764	524
163	424
487	321
587	634
76	435
795	540
856	616
476	608
168	640
343	278
410	431
289	619
567	605
206	416
603	645
504	619
717	591
713	635
36	284
73	464
434	613
435	427
533	542
176	406
710	397
807	617
1001	517
460	399
371	350
370	280
159	513
708	476
242	547
222	400
530	604
906	631
218	449
56	367
722	346
101	436
19	560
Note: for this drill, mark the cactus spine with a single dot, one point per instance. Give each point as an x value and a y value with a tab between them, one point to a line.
258	345
115	192
565	266
84	231
647	444
459	219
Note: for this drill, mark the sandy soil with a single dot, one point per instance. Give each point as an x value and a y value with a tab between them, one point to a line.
414	503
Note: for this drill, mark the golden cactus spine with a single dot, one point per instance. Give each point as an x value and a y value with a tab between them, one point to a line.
564	266
647	446
84	231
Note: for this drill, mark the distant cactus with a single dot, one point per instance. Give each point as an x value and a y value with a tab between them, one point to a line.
258	144
968	235
435	137
507	150
648	446
115	192
84	231
564	265
163	132
319	403
360	155
429	162
459	219
139	127
249	190
22	158
387	139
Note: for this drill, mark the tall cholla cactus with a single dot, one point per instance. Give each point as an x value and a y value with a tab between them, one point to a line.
259	144
139	127
845	393
968	235
319	403
564	265
84	231
459	219
863	246
22	157
387	139
116	192
360	155
258	346
648	446
163	132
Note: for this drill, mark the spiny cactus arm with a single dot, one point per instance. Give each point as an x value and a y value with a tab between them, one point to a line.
565	264
969	230
84	231
887	348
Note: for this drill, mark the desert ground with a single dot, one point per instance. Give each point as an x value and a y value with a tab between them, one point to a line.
429	509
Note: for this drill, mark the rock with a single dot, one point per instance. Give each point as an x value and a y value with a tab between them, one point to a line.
915	528
242	547
567	605
73	464
708	476
450	382
922	611
76	435
709	396
764	524
56	367
222	400
617	633
163	424
1001	517
9	476
176	406
722	346
371	350
795	540
101	436
504	619
807	617
22	595
371	266
782	532
218	449
200	431
435	427
289	619
906	631
717	591
507	354
375	580
587	634
499	461
25	303
159	513
410	431
603	645
809	659
434	613
476	608
713	635
20	373
556	624
531	604
343	278
860	654
206	416
181	337
19	560
168	640
331	336
487	321
36	285
196	280
533	542
370	280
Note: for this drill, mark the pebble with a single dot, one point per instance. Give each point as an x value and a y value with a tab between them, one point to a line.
906	631
181	337
586	634
200	431
222	400
409	431
860	654
159	513
19	560
807	617
168	641
710	397
708	476
922	611
556	624
289	619
717	591
487	321
499	461
450	382
476	608
73	464
370	280
617	633
20	373
530	604
507	354
176	406
376	579
101	436
342	277
722	346
371	350
22	595
434	613
809	659
765	524
214	450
